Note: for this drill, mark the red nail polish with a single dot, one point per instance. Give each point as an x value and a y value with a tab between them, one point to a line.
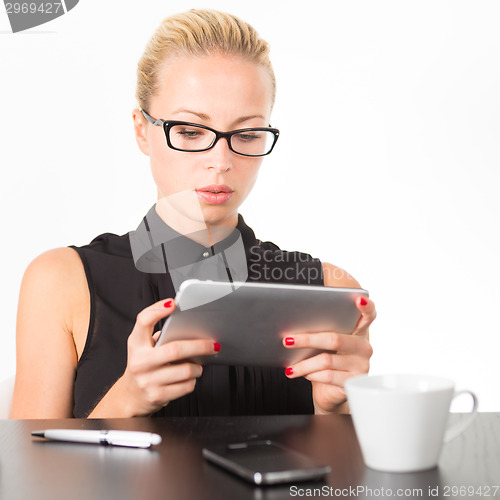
216	346
289	371
363	301
289	341
168	303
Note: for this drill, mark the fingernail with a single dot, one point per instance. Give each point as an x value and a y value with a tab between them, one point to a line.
289	341
289	371
168	303
216	346
363	301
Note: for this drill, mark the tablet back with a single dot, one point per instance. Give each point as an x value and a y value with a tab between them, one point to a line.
249	320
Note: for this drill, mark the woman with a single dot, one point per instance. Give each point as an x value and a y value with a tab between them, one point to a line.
87	316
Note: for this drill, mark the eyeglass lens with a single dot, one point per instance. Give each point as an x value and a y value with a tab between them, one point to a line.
192	138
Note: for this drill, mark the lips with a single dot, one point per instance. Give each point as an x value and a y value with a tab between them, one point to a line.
216	188
214	194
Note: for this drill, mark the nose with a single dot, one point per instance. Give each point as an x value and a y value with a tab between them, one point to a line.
220	156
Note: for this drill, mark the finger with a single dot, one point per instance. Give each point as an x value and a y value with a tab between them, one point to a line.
174	374
325	361
330	341
172	352
176	391
331	377
368	314
178	350
156	335
147	319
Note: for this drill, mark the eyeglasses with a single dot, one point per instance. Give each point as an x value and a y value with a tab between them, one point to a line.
192	137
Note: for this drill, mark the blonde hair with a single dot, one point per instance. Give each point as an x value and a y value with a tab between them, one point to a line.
198	33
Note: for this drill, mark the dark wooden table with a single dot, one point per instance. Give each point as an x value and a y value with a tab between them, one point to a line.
37	470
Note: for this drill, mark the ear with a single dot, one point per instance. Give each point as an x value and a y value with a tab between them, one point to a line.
140	129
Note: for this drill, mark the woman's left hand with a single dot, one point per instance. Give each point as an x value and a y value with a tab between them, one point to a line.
343	357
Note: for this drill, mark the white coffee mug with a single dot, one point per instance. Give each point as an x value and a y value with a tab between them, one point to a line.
401	420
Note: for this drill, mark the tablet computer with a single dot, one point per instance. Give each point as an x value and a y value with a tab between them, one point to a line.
249	320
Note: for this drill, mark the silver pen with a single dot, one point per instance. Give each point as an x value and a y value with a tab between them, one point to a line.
132	439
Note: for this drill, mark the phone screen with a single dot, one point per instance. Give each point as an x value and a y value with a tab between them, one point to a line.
265	462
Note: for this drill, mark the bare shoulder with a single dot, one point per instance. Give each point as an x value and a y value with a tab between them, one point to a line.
335	276
54	289
57	263
53	308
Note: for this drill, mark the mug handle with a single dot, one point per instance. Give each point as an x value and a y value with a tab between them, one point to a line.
454	430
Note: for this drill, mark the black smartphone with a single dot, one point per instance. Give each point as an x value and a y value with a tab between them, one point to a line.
265	462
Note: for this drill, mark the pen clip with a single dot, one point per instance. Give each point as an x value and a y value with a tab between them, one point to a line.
129	443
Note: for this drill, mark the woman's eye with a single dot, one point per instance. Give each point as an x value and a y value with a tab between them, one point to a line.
190	134
249	137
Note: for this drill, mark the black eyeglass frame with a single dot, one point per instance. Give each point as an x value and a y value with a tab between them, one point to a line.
168	124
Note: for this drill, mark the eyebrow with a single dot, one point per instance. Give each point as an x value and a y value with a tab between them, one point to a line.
203	116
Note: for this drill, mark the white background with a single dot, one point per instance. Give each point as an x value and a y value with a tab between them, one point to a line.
388	162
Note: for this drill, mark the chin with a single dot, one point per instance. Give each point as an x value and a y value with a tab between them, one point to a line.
219	215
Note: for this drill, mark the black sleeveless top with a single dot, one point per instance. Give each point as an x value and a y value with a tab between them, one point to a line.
119	291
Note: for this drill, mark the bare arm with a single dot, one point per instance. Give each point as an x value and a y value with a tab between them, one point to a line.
53	319
53	303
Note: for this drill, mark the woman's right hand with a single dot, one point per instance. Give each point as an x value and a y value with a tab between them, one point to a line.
154	376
